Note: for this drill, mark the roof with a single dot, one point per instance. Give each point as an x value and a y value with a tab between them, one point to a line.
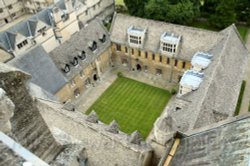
26	28
44	72
217	96
79	42
201	59
192	79
192	39
226	144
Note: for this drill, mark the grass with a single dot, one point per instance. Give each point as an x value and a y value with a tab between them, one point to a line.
243	31
119	2
242	89
134	105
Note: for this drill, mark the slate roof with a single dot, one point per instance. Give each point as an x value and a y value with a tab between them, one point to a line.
26	28
44	72
226	144
192	39
78	42
217	96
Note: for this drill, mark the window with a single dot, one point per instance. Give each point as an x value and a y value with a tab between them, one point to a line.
22	44
25	42
133	51
103	38
153	56
86	12
183	65
42	31
77	93
139	53
118	47
74	62
168	60
169	47
160	58
146	55
175	62
93	47
13	15
66	68
1	10
158	71
10	7
126	50
135	39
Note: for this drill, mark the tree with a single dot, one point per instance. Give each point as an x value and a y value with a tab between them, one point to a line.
224	14
242	10
178	11
136	7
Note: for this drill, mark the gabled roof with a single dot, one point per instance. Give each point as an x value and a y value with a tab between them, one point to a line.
192	39
217	95
79	42
42	69
224	144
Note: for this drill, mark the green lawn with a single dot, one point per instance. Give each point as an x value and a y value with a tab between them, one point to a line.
134	105
119	2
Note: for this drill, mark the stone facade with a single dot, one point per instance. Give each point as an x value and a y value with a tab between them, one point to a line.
170	69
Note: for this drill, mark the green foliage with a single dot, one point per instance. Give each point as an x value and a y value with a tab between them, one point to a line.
134	105
242	10
242	89
136	7
179	11
224	14
173	91
121	9
120	74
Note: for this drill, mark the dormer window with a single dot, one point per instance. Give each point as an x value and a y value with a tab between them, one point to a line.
93	46
169	43
22	44
103	38
75	61
42	31
65	17
136	37
66	68
82	55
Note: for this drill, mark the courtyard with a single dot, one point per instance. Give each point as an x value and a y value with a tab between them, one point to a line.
134	105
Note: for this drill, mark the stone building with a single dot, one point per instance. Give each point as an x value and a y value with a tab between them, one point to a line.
73	139
156	47
52	26
73	66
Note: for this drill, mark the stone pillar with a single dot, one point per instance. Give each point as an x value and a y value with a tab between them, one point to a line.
6	112
98	68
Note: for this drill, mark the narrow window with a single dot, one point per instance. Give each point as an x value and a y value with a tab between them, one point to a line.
132	51
139	53
146	55
153	56
168	61
183	65
175	62
118	47
160	58
126	49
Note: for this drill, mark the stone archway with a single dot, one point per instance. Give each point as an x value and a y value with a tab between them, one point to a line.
138	67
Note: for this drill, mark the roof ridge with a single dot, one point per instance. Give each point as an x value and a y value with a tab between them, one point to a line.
213	74
168	23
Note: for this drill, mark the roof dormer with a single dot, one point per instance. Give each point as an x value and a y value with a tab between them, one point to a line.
201	61
82	55
136	37
169	44
190	81
92	46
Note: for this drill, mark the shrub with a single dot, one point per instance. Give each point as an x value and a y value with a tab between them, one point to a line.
173	91
120	74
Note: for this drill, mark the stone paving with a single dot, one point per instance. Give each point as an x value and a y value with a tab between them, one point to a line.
246	97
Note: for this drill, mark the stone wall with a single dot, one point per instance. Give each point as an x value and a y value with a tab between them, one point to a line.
28	126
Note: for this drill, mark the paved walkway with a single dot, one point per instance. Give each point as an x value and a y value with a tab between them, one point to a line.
246	96
93	93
